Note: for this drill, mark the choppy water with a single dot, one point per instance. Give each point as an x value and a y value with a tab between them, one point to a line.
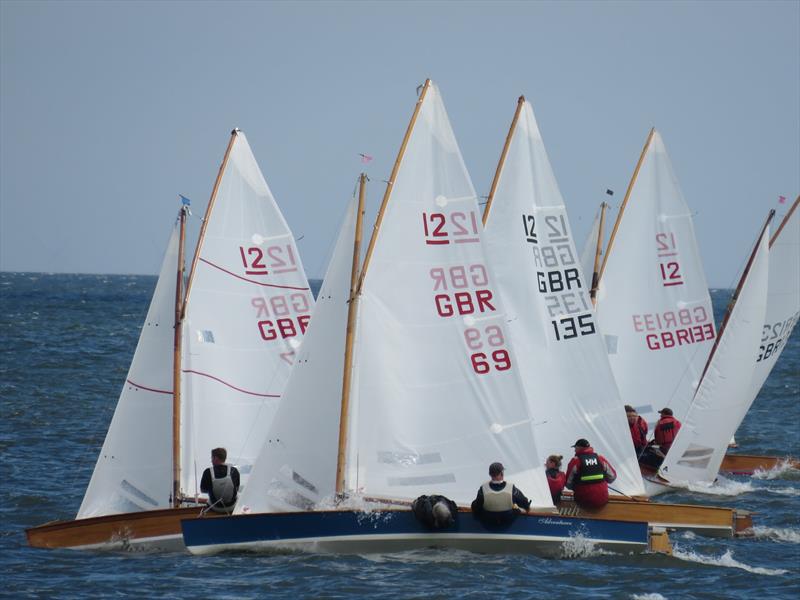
65	345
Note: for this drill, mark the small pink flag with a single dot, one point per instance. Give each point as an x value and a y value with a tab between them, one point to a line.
365	158
781	199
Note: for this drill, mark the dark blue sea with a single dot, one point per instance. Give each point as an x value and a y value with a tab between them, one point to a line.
65	345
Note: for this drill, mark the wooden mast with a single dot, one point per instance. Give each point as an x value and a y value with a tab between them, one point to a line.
624	203
503	154
176	364
180	314
598	251
390	184
348	345
209	208
736	292
785	220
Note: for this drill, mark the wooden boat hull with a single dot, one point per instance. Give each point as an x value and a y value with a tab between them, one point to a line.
153	530
746	464
351	532
709	521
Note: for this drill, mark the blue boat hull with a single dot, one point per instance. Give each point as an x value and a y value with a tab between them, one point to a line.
351	532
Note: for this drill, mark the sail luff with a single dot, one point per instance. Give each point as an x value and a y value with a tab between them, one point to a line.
624	203
349	335
785	220
203	227
597	253
390	184
735	295
176	364
503	155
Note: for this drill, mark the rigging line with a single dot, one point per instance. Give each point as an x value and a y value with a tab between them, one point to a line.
230	385
271	285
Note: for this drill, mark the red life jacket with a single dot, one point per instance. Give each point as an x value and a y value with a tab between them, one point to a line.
666	430
639	433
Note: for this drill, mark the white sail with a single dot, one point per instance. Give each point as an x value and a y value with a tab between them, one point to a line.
590	248
134	472
561	354
248	304
653	304
296	468
437	394
783	299
725	392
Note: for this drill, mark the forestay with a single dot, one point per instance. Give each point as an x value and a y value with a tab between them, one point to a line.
437	394
783	298
653	304
248	304
296	468
570	388
724	394
133	473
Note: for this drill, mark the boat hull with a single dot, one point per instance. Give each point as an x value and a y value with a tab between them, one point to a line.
746	464
709	521
150	530
351	532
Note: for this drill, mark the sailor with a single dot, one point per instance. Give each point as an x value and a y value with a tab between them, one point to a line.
638	428
588	476
666	430
497	498
556	478
220	482
436	512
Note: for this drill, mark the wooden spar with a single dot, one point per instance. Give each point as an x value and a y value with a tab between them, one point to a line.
176	366
209	208
390	184
349	335
736	292
598	251
624	203
503	154
785	220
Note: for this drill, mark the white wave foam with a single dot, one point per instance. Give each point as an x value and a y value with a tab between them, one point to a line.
579	546
784	491
726	560
779	471
648	597
721	487
781	534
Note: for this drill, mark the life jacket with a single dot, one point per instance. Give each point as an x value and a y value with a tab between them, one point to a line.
498	501
222	488
666	431
639	433
590	469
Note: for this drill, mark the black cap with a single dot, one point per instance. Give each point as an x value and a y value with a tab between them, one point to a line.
629	408
666	411
495	469
581	443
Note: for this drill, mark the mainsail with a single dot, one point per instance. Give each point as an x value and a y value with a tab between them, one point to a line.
724	394
569	384
783	298
437	393
296	468
248	304
653	304
132	474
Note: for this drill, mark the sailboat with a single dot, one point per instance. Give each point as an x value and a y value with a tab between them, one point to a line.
208	370
653	304
725	391
430	391
568	380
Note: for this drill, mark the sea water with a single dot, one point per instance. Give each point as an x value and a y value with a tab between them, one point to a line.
65	345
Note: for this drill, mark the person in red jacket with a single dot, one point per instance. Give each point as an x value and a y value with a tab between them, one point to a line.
638	428
666	430
588	476
556	478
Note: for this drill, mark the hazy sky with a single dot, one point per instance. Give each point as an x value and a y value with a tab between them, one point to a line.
109	110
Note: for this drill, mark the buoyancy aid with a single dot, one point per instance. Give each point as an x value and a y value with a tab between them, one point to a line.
222	487
666	431
590	469
498	501
639	433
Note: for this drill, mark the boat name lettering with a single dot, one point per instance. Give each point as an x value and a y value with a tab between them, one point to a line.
549	521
